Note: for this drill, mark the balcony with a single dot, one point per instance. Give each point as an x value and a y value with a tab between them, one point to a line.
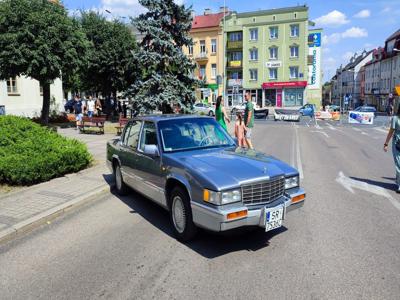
202	56
235	45
235	64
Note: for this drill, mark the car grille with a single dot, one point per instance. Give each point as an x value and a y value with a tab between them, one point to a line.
263	192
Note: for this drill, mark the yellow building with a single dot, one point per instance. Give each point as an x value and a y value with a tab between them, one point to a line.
207	52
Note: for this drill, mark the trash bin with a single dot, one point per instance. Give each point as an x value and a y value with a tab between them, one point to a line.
2	110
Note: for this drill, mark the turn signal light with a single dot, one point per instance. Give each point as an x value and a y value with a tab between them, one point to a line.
236	215
206	195
298	198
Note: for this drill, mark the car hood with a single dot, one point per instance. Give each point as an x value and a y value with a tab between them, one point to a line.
230	168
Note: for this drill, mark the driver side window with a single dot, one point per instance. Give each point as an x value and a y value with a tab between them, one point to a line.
148	136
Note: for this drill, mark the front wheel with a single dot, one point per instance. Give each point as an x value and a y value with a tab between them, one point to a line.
181	215
211	113
121	187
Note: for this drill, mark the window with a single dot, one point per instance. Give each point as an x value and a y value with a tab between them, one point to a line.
236	56
254	34
294	51
294	30
273	32
254	54
213	46
213	71
295	15
203	46
273	73
235	36
148	136
190	49
12	87
202	72
253	74
273	18
131	135
273	53
294	72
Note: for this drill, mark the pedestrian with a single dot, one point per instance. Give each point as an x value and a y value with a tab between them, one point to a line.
99	108
220	113
249	120
124	109
78	111
240	129
394	132
90	104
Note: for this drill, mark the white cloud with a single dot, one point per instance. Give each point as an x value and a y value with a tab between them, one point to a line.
334	38
347	56
326	50
355	32
333	19
365	13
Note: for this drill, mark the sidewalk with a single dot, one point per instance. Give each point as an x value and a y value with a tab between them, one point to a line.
23	209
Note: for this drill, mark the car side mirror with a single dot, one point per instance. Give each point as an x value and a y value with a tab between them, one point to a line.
151	150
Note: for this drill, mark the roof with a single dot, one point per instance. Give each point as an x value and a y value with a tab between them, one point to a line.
160	117
393	36
273	11
206	21
357	60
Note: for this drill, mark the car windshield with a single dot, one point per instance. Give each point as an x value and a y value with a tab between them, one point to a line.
192	133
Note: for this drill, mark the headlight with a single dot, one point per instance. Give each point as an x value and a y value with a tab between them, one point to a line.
221	198
291	182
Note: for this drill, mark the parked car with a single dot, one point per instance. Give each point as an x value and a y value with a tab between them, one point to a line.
308	109
286	115
191	166
204	109
366	108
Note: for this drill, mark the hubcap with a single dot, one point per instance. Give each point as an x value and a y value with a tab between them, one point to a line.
178	214
118	178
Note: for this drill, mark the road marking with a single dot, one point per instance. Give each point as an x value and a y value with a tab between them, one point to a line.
356	129
381	130
321	132
292	163
349	184
299	163
317	125
308	125
363	133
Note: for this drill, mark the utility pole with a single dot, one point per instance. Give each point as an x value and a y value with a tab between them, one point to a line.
223	57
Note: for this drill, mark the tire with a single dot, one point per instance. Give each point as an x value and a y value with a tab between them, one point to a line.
210	113
181	215
120	186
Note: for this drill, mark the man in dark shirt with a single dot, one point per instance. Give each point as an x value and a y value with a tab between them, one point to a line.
78	111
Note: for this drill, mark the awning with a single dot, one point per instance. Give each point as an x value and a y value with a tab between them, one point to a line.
272	85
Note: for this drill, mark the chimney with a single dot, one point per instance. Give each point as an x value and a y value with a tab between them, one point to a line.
207	11
224	9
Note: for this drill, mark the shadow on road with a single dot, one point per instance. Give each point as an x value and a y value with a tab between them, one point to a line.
207	244
386	185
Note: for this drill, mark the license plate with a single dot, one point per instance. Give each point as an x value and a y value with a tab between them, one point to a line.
273	218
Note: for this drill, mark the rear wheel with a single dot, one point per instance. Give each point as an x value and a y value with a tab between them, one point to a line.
181	215
121	187
211	113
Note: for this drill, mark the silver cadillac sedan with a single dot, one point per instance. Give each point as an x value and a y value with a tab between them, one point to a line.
192	167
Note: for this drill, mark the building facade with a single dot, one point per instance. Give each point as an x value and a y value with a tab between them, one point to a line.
23	96
207	52
267	54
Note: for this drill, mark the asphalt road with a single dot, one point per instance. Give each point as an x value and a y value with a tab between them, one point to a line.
343	244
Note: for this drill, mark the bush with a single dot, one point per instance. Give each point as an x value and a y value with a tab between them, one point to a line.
30	153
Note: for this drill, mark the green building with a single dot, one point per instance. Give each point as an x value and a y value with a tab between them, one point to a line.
268	55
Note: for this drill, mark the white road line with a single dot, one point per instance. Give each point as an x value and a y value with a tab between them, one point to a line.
321	132
381	130
299	163
292	151
317	125
356	129
308	125
349	184
363	133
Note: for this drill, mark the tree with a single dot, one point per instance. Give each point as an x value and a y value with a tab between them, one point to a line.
39	40
165	78
110	67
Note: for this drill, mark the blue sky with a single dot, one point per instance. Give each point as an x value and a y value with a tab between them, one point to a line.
349	25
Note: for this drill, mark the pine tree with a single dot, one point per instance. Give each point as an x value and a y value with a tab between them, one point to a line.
166	72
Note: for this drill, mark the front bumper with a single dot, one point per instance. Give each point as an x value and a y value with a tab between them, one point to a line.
216	220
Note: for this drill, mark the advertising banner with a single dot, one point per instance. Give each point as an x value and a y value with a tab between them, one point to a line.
314	69
366	118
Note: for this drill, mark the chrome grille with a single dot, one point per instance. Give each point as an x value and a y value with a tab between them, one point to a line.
263	192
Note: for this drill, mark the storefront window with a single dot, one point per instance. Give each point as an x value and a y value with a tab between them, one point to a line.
294	97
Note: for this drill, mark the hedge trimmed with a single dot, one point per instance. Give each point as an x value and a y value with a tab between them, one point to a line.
30	153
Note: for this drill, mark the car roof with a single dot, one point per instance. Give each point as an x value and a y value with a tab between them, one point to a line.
160	117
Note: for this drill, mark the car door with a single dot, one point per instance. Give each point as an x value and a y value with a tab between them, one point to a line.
149	167
128	153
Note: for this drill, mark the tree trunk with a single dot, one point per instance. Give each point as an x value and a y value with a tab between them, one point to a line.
46	102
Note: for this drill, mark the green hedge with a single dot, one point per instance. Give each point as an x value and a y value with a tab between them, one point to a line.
30	153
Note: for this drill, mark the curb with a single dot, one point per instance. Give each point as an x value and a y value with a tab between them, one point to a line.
51	214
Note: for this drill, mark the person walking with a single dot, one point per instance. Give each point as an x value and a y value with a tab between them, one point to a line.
394	132
220	113
90	104
78	111
240	129
98	107
249	120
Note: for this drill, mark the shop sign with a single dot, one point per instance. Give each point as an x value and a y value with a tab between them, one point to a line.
295	84
314	69
213	86
273	64
235	82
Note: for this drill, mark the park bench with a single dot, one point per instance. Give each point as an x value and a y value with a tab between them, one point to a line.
121	124
93	122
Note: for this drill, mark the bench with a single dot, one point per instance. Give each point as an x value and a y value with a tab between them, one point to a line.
121	124
88	122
